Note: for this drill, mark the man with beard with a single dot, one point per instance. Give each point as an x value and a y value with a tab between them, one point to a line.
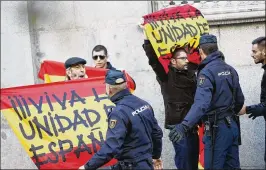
178	89
259	56
75	68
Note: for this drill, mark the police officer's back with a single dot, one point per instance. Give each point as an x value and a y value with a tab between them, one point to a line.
134	137
218	98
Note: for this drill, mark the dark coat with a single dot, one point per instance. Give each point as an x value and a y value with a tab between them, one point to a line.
177	87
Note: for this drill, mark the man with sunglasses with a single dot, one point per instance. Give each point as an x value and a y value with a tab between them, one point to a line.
100	56
178	88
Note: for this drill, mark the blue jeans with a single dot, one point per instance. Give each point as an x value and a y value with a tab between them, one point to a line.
187	152
226	151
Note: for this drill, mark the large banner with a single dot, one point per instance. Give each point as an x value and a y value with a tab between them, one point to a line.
178	26
60	125
175	26
53	71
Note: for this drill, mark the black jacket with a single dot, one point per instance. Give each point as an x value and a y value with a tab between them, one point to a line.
262	102
262	94
177	87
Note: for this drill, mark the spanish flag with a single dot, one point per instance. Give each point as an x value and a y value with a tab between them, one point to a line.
53	71
60	125
177	26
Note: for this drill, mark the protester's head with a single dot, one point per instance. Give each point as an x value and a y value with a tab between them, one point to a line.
75	68
115	82
258	50
207	45
99	56
179	58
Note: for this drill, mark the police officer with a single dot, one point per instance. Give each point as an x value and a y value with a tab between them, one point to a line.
133	137
75	68
178	88
218	98
259	56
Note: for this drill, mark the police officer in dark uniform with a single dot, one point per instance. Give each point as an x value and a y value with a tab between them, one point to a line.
218	98
133	137
259	56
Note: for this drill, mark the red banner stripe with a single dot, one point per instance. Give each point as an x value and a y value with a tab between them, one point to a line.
58	88
185	11
58	69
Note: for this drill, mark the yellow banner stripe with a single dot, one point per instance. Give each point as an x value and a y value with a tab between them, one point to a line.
167	31
52	78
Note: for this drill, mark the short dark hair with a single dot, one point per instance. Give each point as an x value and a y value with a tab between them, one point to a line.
258	40
100	48
177	50
209	48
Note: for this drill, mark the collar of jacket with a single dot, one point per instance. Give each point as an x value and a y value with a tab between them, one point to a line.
213	56
110	67
176	70
118	96
264	66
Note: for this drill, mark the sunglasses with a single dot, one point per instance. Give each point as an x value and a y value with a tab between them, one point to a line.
98	56
181	58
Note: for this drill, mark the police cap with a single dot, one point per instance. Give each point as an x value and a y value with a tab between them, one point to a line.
74	61
258	40
207	38
114	77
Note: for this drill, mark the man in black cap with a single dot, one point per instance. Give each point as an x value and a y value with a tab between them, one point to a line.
259	56
217	100
133	137
75	68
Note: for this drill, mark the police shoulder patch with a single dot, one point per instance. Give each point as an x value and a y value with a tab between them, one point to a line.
201	80
112	123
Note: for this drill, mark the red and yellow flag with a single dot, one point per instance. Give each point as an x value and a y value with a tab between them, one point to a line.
175	26
53	71
178	26
60	125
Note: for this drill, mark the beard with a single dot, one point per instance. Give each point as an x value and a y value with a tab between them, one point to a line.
257	61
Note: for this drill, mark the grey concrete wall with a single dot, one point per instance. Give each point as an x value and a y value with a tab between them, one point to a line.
64	29
16	70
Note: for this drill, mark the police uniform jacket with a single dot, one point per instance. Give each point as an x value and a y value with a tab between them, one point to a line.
133	134
218	89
